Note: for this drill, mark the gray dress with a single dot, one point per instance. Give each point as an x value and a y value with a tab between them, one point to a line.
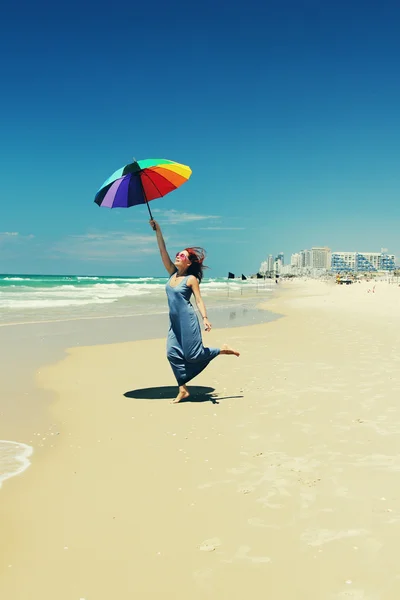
185	350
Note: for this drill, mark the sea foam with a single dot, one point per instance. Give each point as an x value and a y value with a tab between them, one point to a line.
14	459
16	279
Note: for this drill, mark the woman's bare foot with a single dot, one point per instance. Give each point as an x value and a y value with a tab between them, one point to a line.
182	394
228	350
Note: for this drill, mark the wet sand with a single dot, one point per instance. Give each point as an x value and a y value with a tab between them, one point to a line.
278	479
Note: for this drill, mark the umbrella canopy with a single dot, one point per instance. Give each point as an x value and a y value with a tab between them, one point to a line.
142	181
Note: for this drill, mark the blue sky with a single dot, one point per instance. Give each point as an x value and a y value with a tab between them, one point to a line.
287	112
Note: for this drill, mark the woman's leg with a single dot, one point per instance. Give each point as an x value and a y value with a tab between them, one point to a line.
182	394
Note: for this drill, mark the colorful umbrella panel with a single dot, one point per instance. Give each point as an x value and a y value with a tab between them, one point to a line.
141	181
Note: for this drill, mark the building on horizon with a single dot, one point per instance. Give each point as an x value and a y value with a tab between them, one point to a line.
272	266
362	262
314	261
295	260
278	264
320	260
320	257
304	259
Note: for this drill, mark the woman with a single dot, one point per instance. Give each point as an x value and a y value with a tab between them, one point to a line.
185	350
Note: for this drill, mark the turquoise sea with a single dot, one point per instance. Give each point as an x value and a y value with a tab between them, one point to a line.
32	298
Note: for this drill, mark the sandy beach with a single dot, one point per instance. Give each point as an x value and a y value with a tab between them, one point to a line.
279	479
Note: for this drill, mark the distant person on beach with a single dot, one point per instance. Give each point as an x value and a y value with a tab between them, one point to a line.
185	351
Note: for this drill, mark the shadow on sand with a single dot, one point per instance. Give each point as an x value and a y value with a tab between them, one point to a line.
198	393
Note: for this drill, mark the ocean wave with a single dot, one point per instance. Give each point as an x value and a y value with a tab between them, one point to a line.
14	459
88	290
90	278
62	298
16	279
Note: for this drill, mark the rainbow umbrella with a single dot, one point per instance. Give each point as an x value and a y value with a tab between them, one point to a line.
142	181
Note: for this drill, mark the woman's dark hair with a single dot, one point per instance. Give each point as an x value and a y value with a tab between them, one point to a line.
196	257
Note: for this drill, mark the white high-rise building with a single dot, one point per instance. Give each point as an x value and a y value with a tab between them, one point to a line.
268	265
305	259
295	260
320	258
278	264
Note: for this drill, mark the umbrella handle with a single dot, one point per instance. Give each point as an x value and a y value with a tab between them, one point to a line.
147	203
151	216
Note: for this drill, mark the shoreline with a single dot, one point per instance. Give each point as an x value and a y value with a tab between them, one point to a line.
53	299
30	347
17	462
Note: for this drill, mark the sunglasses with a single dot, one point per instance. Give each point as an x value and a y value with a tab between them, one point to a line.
182	256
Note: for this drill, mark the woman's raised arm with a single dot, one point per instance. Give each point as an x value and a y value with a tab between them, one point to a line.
167	262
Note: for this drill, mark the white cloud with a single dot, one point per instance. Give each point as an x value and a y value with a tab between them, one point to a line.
175	217
109	246
221	228
14	236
